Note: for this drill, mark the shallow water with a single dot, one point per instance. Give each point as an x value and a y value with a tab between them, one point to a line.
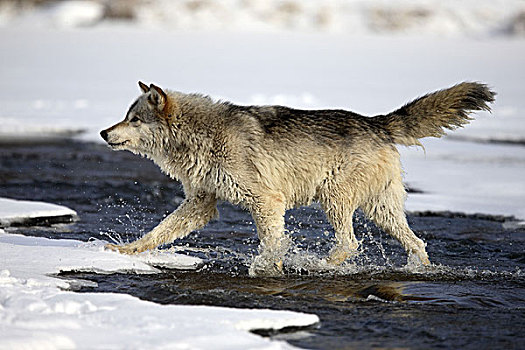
472	297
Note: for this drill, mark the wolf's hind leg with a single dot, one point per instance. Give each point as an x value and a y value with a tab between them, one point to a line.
268	214
192	214
387	211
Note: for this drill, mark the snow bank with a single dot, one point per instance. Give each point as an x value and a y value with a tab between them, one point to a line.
36	311
18	212
60	14
85	256
75	13
448	17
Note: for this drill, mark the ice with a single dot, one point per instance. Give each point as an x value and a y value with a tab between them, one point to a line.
38	311
169	260
72	255
464	177
14	211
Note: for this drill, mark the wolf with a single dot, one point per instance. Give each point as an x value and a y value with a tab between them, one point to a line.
268	159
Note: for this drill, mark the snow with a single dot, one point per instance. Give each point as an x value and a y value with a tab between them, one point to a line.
14	211
89	256
37	310
75	13
354	17
463	177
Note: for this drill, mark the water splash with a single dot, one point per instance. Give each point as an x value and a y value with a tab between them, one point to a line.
127	219
113	237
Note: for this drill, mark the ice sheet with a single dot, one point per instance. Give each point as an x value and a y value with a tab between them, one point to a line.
37	313
464	177
14	211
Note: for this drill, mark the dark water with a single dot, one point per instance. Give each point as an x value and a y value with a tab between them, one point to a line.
473	297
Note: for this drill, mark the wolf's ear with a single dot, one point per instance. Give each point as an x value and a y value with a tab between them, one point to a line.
143	87
158	96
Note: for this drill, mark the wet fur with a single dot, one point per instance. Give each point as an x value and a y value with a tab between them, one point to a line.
272	158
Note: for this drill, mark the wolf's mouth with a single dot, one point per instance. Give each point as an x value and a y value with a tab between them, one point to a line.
114	144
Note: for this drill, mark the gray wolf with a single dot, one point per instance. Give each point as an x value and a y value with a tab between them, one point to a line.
272	158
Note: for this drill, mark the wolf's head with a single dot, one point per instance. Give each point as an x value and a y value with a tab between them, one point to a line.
146	124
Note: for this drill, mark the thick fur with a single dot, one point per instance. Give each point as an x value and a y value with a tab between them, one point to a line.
429	115
272	158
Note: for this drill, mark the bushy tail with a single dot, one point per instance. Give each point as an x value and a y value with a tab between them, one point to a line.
431	114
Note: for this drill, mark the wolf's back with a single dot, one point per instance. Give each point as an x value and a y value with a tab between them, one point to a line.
429	115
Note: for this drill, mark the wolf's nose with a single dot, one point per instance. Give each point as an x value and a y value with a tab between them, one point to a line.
104	135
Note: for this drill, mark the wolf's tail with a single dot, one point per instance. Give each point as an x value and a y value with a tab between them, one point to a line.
429	115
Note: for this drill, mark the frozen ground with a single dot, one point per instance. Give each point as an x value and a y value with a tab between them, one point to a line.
38	312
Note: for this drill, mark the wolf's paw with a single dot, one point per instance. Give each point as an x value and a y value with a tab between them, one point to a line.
123	249
338	255
418	254
111	246
265	266
424	260
418	259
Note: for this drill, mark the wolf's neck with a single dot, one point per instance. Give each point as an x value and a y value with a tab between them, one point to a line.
187	152
182	163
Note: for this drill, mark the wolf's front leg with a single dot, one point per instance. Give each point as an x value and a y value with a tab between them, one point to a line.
269	219
192	214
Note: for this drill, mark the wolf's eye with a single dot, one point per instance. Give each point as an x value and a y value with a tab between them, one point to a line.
134	120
